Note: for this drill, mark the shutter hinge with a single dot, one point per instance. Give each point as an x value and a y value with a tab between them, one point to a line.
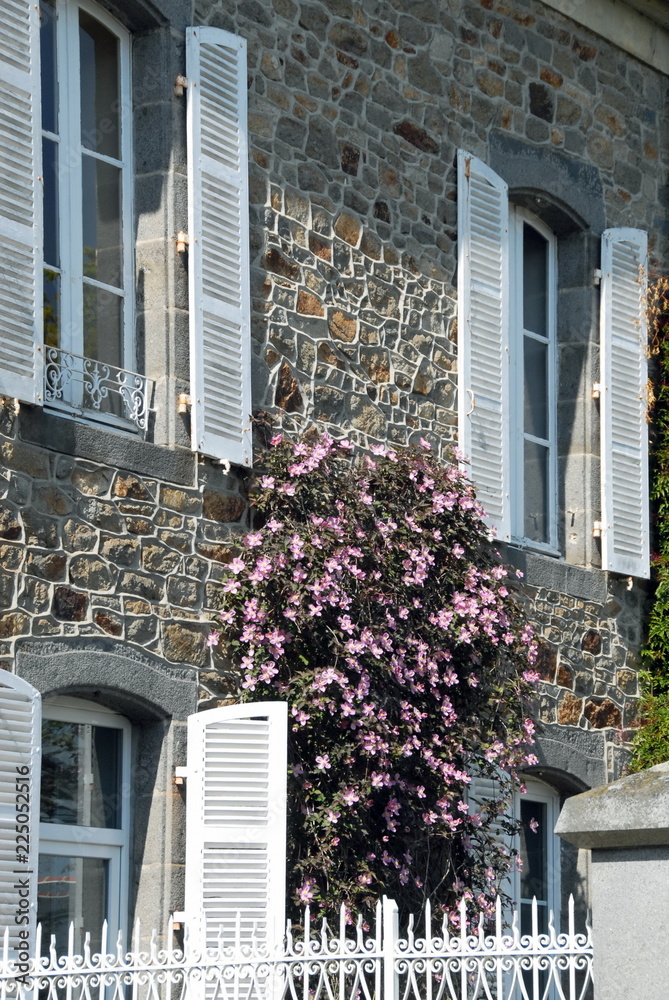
597	529
184	401
182	241
596	390
597	276
178	920
179	84
180	775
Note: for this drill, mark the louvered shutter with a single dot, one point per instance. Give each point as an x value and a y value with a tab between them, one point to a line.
20	742
236	824
483	334
20	202
482	790
623	377
219	301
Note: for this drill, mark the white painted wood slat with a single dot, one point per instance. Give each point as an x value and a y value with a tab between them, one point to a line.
20	755
483	334
624	430
20	203
219	303
236	823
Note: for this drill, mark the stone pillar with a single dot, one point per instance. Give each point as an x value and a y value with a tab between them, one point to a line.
626	826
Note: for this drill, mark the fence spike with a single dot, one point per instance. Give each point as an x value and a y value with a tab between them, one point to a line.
359	932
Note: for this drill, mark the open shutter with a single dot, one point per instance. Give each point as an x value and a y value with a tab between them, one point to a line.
20	203
219	302
20	741
623	377
483	334
236	824
482	790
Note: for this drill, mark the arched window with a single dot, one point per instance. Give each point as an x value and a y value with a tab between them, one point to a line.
537	810
84	821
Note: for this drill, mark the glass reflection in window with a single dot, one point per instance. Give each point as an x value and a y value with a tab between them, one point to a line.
81	774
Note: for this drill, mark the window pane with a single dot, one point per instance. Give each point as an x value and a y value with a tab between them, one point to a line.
100	123
81	775
48	66
535	363
101	221
50	190
535	281
536	492
71	889
51	307
103	328
533	841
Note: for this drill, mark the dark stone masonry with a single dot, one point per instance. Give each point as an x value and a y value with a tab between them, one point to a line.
112	547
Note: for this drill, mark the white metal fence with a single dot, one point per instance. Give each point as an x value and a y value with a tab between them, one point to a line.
347	963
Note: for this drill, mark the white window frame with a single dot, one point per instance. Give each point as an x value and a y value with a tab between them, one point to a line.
538	791
70	221
518	218
96	842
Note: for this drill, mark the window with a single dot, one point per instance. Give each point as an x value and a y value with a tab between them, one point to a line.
533	377
508	385
67	276
539	853
78	827
87	213
537	874
84	822
87	258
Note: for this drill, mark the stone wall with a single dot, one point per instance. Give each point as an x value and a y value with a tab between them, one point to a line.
356	110
590	632
87	549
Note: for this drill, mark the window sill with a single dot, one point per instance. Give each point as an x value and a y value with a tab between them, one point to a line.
542	570
539	547
93	417
60	433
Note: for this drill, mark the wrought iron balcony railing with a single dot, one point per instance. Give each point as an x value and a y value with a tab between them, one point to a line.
96	390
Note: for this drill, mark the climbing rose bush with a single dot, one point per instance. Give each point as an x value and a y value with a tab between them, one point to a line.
369	596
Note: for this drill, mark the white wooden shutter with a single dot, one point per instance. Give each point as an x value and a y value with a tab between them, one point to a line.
236	824
623	377
219	302
482	790
20	744
483	334
20	203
